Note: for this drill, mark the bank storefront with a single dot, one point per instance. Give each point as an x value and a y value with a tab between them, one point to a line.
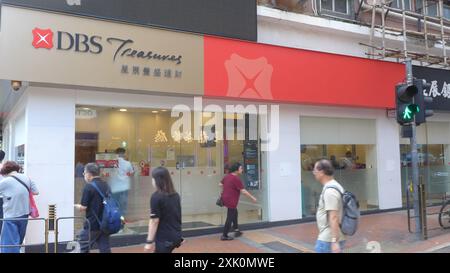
93	86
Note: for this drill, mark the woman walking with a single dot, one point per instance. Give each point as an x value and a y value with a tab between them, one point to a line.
15	188
164	229
232	189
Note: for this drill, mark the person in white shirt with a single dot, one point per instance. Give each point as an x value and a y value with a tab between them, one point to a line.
120	183
347	162
329	211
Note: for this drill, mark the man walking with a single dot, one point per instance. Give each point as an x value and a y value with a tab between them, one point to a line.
120	183
329	212
92	203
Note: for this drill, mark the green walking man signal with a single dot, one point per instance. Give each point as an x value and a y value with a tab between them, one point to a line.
411	102
410	111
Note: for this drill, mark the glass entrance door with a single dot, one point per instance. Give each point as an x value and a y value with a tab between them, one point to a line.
198	167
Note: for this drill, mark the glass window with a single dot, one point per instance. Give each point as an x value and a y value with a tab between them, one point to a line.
196	166
399	4
432	9
419	6
433	150
353	156
395	4
407	4
327	4
446	11
340	6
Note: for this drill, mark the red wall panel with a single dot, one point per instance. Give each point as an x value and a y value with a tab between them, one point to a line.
256	71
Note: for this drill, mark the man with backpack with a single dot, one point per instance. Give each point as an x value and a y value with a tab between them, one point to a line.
92	201
338	211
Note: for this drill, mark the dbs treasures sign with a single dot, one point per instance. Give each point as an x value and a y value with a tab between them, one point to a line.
82	43
52	48
228	18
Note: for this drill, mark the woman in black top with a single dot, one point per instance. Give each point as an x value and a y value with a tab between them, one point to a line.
164	228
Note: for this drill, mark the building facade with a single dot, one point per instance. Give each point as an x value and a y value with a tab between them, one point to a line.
304	90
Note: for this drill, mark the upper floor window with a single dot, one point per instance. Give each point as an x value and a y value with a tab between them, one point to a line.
338	6
431	8
399	4
446	11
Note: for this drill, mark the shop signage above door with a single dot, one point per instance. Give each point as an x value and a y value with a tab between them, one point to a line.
440	86
79	51
228	18
39	47
82	43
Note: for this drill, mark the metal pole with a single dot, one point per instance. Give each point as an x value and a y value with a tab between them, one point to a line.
383	29
423	209
441	15
46	235
372	31
405	51
414	160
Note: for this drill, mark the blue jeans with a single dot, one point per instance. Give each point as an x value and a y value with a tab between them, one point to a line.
325	247
121	199
13	233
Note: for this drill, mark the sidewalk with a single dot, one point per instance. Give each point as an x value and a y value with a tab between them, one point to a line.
385	232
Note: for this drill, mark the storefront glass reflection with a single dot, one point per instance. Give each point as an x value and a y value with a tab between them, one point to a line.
433	151
129	144
355	164
353	171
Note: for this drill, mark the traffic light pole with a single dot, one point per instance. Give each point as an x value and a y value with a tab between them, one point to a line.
414	161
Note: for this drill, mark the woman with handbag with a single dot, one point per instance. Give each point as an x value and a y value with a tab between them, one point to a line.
232	189
15	189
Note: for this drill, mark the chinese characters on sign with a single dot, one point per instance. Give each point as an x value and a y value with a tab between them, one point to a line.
440	86
434	90
151	72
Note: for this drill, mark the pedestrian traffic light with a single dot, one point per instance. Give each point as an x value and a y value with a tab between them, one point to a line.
422	101
406	108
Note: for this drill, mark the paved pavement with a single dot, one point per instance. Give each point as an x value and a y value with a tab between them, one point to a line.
384	232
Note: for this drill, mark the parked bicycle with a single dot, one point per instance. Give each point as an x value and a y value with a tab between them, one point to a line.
444	215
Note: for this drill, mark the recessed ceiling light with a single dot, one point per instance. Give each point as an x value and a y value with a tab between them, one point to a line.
164	110
123	110
85	108
155	112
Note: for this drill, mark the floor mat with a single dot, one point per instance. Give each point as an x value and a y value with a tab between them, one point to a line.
188	225
280	247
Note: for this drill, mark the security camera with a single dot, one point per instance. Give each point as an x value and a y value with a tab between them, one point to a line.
16	85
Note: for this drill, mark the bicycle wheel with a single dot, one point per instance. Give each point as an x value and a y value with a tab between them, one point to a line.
444	216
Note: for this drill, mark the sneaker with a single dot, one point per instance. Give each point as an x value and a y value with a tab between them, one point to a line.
226	238
238	233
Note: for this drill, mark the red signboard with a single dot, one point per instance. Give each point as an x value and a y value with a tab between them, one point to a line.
248	70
